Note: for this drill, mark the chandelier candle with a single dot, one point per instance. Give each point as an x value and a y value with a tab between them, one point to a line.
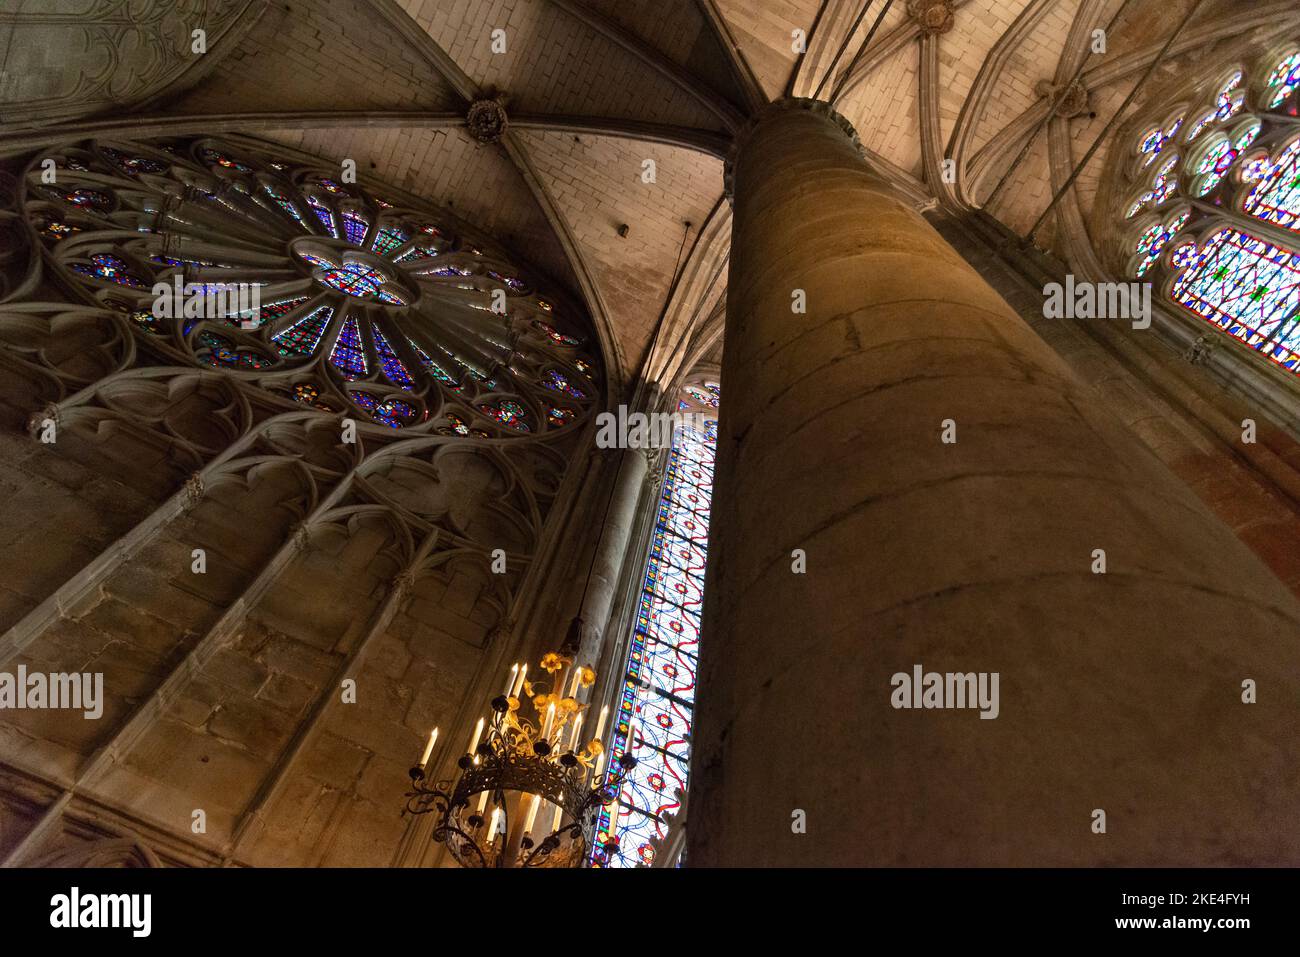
428	749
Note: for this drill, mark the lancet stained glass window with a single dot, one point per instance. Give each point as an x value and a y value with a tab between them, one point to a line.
655	711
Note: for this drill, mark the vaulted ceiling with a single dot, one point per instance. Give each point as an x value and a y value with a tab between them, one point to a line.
596	88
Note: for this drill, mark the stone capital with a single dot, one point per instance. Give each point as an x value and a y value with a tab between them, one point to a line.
786	104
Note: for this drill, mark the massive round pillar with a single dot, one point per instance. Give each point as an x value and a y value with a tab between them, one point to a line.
956	494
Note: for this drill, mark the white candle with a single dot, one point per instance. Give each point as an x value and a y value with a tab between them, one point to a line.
510	682
596	769
573	681
519	682
600	725
555	822
482	802
428	748
577	730
478	733
550	720
492	828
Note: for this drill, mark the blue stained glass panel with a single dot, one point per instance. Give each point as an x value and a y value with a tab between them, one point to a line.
348	355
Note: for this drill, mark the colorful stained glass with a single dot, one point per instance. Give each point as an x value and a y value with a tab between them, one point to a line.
348	354
1276	197
306	393
1157	139
387	239
1216	158
393	413
514	283
705	396
1201	124
304	322
134	165
269	311
304	336
84	198
355	227
555	335
1229	104
1163	186
218	158
656	709
447	271
1183	256
559	382
309	394
56	229
393	368
223	355
1249	288
415	254
282	201
1153	241
435	370
359	280
205	263
1283	80
456	426
324	214
509	413
109	269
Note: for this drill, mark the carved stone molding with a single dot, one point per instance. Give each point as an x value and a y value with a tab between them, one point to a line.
194	489
501	632
36	422
1069	101
487	121
1200	350
402	584
653	464
932	16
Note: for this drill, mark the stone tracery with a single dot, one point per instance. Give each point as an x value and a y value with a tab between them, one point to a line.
1213	176
366	305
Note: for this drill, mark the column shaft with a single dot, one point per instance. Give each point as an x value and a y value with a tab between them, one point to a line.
1119	692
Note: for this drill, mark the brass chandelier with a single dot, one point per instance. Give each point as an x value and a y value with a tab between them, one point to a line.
529	788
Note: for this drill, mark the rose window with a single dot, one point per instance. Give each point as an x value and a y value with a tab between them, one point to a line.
332	295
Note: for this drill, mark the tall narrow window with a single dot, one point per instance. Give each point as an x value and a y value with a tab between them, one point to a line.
655	711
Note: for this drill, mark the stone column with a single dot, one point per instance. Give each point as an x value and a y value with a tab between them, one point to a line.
628	474
1119	692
